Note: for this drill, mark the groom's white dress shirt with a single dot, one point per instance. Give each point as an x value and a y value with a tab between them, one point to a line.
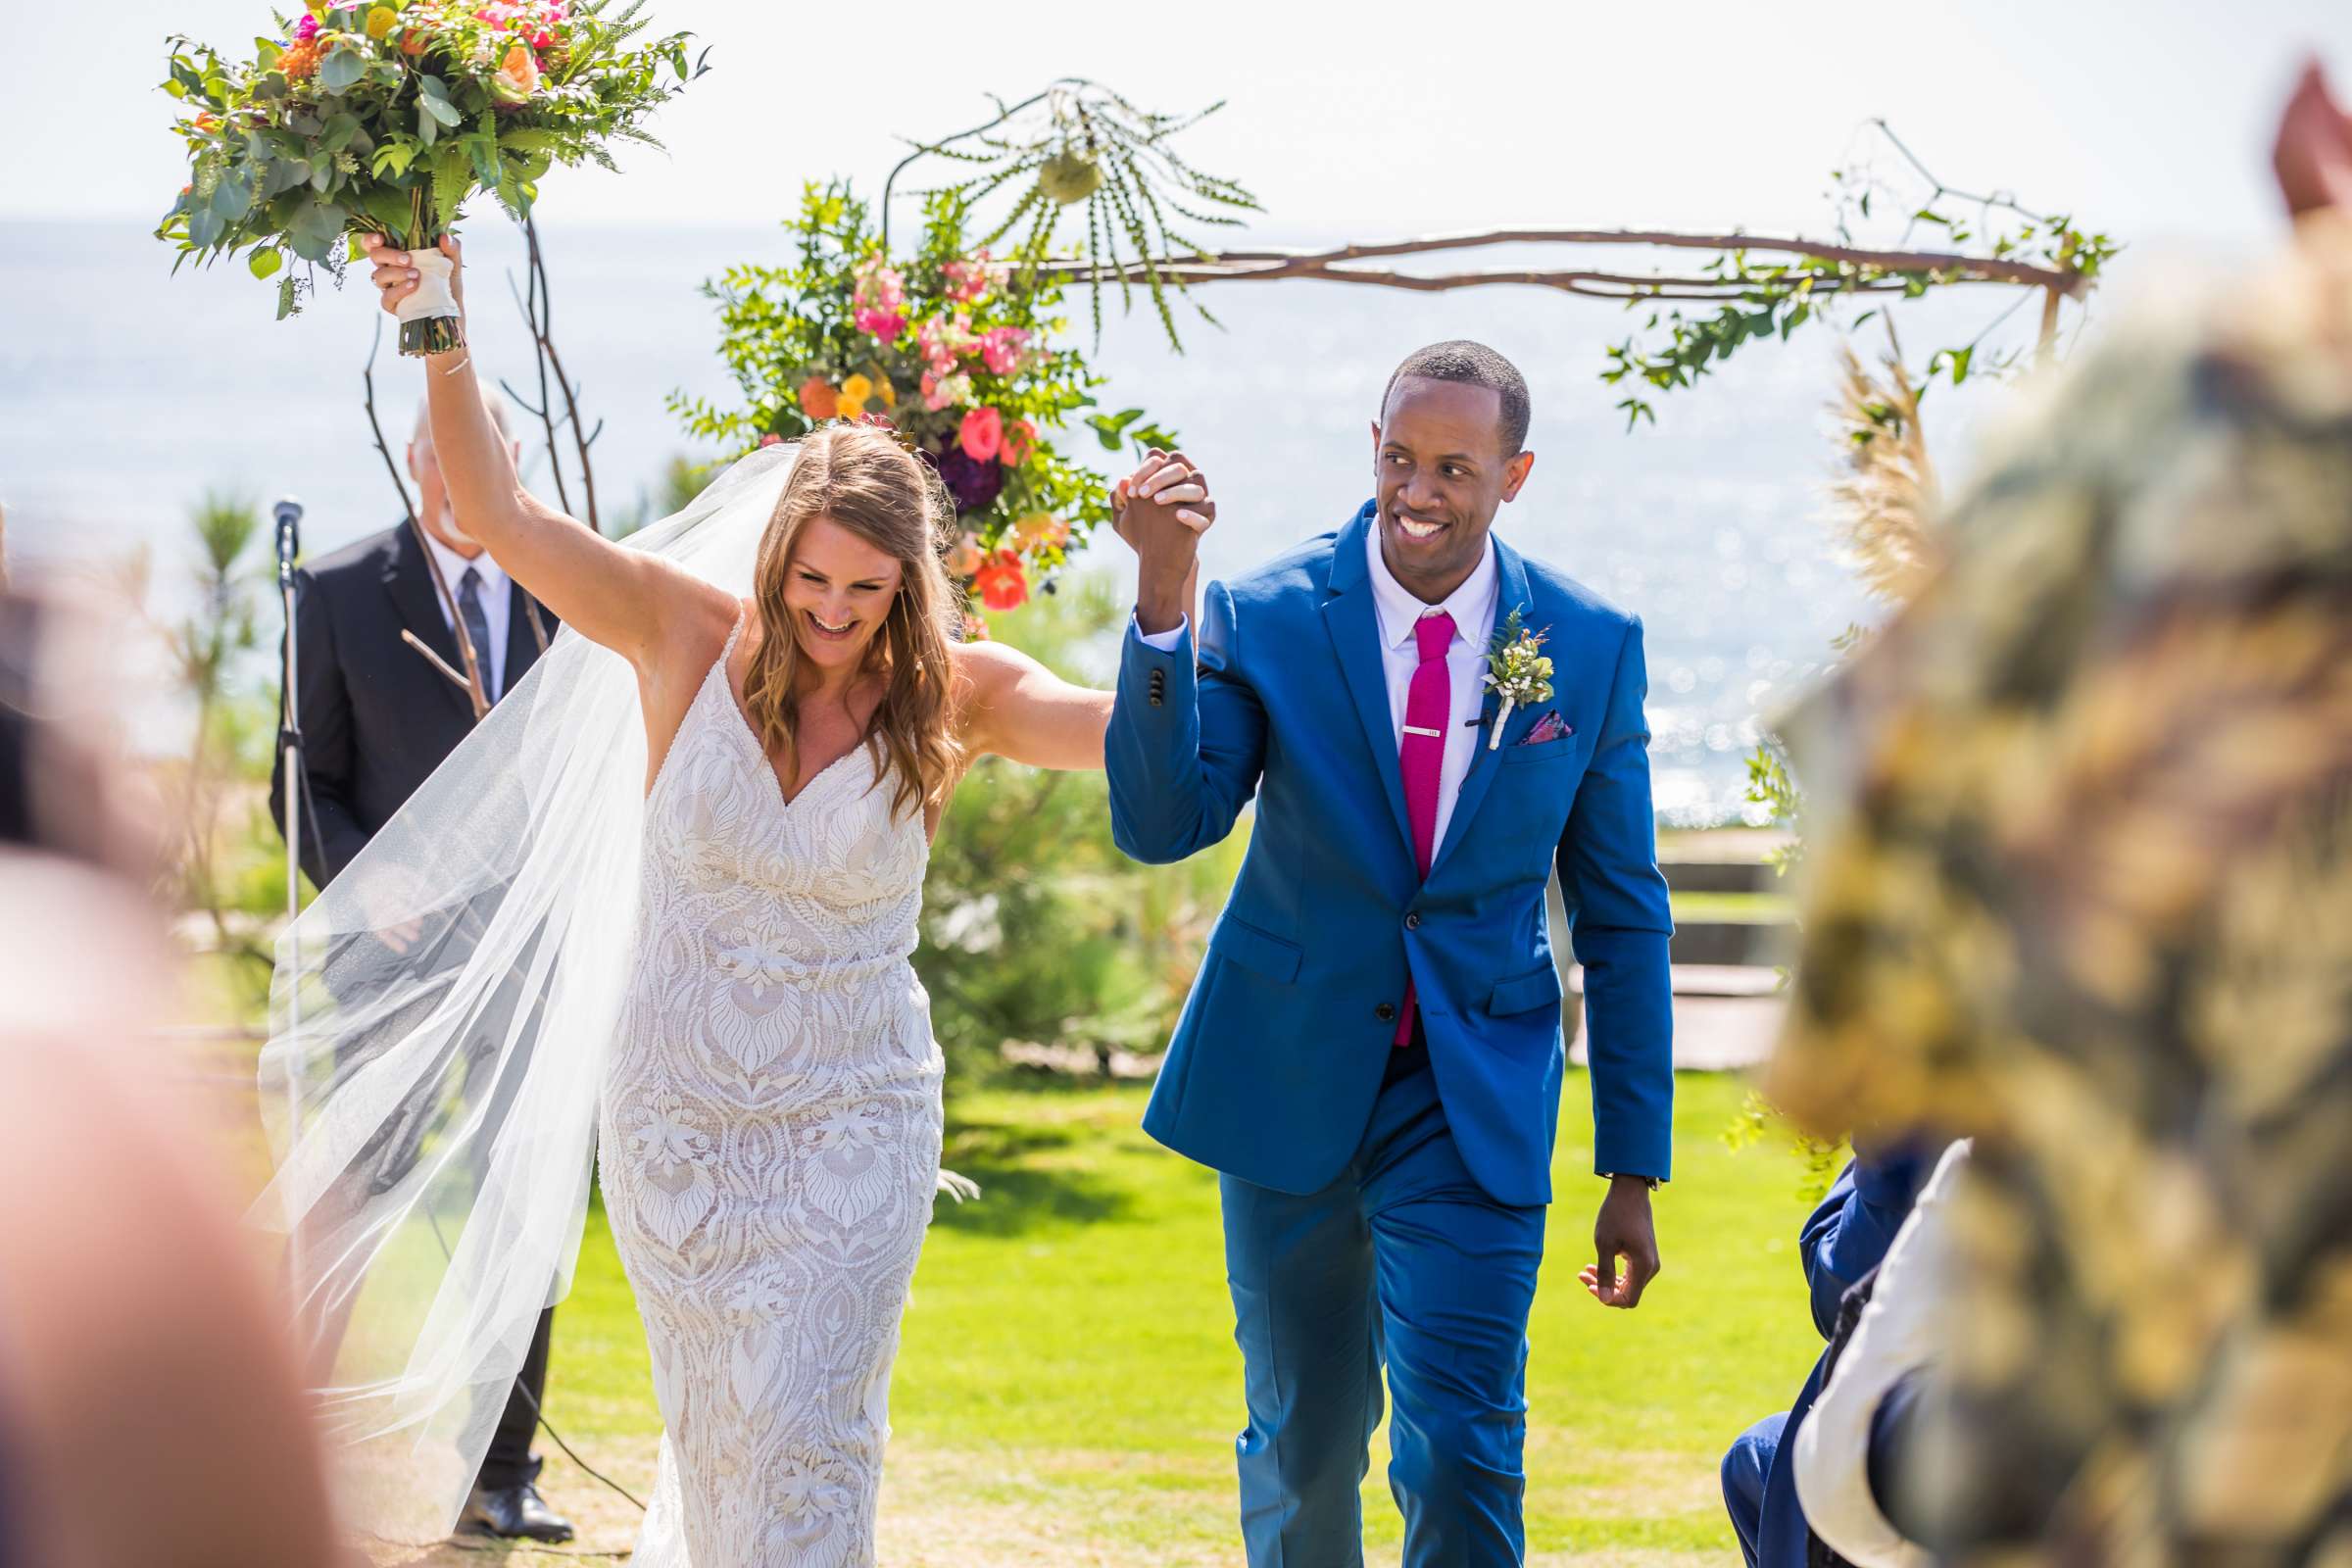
1472	606
497	605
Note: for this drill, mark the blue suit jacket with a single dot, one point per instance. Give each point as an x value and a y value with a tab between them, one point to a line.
1278	1056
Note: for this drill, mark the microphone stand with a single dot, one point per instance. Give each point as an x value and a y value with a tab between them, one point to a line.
297	782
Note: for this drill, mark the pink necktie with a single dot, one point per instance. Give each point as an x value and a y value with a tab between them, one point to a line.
1421	753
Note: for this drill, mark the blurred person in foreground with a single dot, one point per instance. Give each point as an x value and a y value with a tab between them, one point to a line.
384	699
149	1407
2087	893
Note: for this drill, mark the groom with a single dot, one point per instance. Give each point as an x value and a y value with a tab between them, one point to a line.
1371	1055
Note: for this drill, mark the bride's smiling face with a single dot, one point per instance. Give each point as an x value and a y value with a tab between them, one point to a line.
838	589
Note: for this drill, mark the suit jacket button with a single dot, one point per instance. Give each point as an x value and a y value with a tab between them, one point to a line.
1385	1012
1158	701
1413	923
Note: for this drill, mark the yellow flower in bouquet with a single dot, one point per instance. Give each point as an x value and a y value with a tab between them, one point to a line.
851	403
381	22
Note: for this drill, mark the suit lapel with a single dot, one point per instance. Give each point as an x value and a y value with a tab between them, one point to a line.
1352	622
408	579
1511	594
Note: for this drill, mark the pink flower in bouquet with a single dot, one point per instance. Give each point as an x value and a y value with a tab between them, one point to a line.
1001	349
964	556
982	434
306	28
1019	436
945	390
517	75
770	439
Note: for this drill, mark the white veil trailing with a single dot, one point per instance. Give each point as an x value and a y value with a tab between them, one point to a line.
440	1019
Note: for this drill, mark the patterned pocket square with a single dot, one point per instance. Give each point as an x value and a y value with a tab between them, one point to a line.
1550	728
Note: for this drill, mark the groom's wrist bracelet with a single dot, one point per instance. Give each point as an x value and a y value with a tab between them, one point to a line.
1650	1181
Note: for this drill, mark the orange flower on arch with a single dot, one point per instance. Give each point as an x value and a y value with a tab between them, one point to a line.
818	400
1001	582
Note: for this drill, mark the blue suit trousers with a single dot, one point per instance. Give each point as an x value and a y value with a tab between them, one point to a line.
1402	1262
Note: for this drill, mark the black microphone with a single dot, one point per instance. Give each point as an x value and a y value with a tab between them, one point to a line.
289	516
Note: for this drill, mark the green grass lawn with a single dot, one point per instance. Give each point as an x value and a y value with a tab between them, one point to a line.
1069	1390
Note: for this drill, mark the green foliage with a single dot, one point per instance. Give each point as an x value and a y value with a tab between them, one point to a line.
1034	926
1771	786
223	867
1769	300
386	120
1757	1123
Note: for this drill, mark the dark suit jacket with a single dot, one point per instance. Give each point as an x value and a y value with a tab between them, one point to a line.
376	718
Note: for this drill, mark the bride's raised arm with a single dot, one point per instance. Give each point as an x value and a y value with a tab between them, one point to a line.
631	602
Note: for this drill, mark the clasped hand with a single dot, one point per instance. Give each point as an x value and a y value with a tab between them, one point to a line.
1162	509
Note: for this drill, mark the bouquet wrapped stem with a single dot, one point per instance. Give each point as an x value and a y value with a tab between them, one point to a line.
429	320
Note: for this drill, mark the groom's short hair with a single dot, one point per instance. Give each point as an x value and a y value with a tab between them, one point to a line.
1475	364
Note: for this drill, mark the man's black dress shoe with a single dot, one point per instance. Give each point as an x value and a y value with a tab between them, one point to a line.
514	1513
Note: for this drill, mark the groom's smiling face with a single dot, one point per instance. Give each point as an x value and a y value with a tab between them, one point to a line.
1441	473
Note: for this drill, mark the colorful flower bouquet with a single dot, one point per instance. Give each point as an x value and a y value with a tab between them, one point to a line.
384	119
947	348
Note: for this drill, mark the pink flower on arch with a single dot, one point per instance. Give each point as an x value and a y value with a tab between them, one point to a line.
982	436
1019	436
1002	348
885	325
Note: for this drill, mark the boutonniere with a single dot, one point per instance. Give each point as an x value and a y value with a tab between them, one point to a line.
1517	671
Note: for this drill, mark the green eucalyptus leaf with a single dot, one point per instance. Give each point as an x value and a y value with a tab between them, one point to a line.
232	198
286	296
440	109
314	231
284	175
265	261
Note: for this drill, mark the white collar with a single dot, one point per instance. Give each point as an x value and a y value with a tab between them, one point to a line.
453	568
1471	605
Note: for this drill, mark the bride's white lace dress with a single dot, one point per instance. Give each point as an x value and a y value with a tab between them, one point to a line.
770	1137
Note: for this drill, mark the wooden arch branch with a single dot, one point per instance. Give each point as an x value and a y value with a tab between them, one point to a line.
1332	266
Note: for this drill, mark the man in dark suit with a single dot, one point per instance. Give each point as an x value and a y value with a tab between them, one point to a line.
384	696
1845	1240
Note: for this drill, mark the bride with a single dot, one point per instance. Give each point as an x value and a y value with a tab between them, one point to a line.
696	964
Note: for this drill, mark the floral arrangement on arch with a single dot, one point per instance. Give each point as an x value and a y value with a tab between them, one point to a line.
959	352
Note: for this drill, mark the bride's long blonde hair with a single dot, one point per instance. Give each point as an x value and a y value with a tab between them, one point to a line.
861	478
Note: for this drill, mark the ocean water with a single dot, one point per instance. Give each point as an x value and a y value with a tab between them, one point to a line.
126	393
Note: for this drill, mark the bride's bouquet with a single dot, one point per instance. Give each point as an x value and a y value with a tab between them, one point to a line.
384	119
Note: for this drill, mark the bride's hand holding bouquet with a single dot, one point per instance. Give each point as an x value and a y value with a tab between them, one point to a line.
378	119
